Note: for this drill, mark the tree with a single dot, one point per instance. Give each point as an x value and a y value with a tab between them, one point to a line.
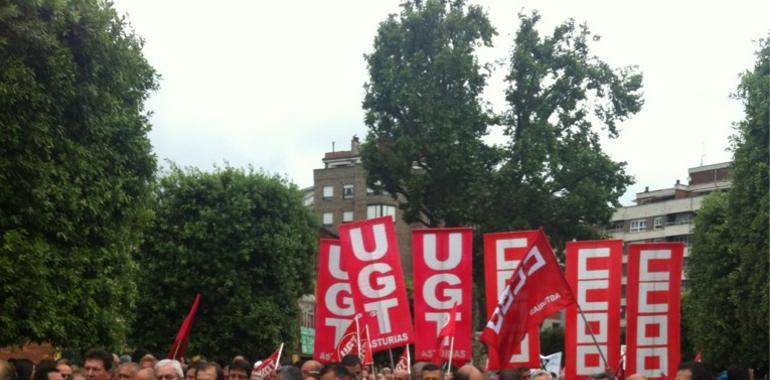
728	268
424	110
554	173
242	239
75	172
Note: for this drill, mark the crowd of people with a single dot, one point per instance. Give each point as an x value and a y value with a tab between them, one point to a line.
101	365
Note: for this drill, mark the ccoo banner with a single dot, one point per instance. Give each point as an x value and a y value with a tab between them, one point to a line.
654	282
442	264
371	258
503	253
594	274
334	302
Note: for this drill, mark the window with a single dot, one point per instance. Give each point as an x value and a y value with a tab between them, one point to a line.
376	211
347	192
638	225
328	218
347	216
328	192
657	223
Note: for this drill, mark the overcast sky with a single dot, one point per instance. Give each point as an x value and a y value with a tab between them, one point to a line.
273	84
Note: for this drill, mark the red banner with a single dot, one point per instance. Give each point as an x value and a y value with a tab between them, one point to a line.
653	311
502	254
442	264
594	274
269	365
334	302
370	254
537	289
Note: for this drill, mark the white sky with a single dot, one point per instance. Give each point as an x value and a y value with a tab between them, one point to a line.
272	84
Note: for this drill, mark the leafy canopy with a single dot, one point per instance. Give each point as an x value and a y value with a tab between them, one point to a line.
75	172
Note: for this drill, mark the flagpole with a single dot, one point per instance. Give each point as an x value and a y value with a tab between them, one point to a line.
390	353
278	358
358	336
593	337
451	351
408	361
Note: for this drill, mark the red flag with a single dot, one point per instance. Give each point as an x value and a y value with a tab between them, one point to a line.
698	358
537	289
349	343
270	364
183	336
404	363
450	327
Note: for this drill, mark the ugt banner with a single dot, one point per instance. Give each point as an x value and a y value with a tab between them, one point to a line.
503	253
594	274
442	265
334	302
370	256
653	295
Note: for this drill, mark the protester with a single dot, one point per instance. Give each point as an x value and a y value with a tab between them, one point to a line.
353	364
311	370
509	374
636	376
190	371
335	371
65	369
168	369
288	372
693	371
468	372
127	371
209	371
417	369
148	361
47	370
240	369
145	374
98	365
24	368
431	371
542	375
78	374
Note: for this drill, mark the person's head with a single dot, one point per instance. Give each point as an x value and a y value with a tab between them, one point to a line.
335	371
7	371
431	371
541	375
97	365
353	364
126	371
24	368
47	370
64	368
311	370
209	371
288	372
78	374
148	361
400	374
636	376
509	374
416	369
145	374
168	369
738	373
190	371
693	371
240	369
468	372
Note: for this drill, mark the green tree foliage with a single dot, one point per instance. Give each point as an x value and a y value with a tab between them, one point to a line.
424	110
554	173
729	263
242	239
75	172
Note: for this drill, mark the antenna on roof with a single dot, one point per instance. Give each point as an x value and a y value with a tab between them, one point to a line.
332	146
702	151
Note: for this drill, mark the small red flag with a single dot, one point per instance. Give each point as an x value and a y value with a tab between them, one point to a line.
183	336
537	289
269	365
698	358
404	363
349	343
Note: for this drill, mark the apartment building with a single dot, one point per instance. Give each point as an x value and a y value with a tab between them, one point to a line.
666	214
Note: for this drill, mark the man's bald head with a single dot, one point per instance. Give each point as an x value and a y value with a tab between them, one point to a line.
311	369
636	376
468	372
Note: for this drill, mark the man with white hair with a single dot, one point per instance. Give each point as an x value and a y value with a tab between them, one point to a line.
168	369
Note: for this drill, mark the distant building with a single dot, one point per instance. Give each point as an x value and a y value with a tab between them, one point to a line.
666	215
340	195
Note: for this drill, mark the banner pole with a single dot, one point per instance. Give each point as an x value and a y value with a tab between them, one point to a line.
278	358
451	351
593	337
392	364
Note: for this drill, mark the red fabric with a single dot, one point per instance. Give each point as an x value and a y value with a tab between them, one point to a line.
370	256
594	274
537	289
502	254
334	301
366	344
404	362
442	266
348	344
698	358
268	365
183	335
653	311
